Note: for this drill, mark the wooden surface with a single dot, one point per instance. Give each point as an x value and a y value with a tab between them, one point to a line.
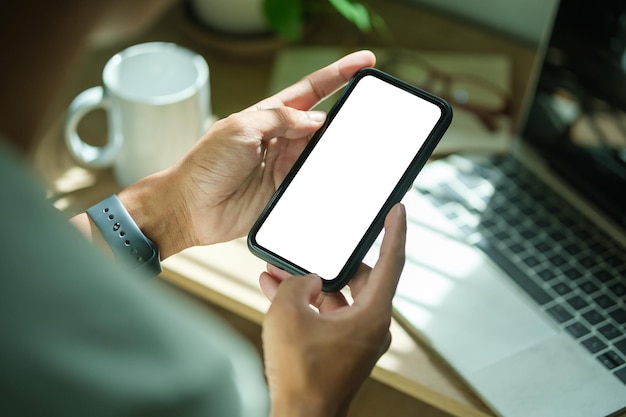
226	275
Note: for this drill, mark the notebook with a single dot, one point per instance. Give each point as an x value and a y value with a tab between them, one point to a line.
516	264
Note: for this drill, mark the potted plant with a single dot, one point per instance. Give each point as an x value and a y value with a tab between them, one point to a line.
286	17
253	28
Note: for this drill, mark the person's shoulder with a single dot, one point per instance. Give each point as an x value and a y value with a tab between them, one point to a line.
14	168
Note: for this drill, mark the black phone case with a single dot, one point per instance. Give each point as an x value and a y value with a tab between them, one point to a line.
395	195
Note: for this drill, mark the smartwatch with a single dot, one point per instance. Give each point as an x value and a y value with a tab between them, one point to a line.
129	245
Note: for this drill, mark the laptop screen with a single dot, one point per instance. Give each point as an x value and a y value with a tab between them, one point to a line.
577	119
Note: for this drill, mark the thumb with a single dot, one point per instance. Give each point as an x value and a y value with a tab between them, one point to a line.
283	122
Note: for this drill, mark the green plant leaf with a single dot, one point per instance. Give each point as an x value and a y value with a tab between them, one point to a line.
354	12
285	17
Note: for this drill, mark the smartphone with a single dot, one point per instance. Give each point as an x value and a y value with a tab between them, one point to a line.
331	206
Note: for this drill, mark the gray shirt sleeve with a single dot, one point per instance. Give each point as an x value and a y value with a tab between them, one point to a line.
83	337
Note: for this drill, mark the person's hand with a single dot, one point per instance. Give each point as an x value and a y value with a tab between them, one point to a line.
315	361
239	164
218	189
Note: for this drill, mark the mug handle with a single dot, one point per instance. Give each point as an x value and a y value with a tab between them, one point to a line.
92	156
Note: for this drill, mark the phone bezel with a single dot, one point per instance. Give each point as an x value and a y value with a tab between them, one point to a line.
395	195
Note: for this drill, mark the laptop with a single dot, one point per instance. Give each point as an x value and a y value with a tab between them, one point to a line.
516	264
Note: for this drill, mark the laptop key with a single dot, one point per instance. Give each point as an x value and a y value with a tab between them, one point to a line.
577	302
604	301
618	289
616	261
577	330
572	272
604	275
531	260
593	317
588	262
621	374
543	247
560	314
611	359
572	249
588	287
619	315
558	260
561	288
557	235
546	274
593	344
610	332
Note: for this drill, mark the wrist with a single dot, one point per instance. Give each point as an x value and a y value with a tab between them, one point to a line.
157	208
291	406
87	227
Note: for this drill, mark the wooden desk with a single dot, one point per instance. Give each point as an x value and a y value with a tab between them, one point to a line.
227	274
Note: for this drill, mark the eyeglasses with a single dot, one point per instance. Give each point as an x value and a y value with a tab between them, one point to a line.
475	94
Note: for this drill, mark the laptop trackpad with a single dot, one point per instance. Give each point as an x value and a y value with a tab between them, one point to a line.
542	381
462	304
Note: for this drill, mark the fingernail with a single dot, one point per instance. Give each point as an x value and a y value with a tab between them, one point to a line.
317	116
401	211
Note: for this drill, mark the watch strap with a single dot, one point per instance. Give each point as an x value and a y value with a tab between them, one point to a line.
128	243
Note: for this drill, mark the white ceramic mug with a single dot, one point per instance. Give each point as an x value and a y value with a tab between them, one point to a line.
156	98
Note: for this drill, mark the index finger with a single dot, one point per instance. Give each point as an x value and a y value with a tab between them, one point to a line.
315	87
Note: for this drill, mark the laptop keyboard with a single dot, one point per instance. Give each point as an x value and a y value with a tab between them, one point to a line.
573	270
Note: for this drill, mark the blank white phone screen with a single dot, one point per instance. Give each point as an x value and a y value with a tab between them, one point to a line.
341	187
